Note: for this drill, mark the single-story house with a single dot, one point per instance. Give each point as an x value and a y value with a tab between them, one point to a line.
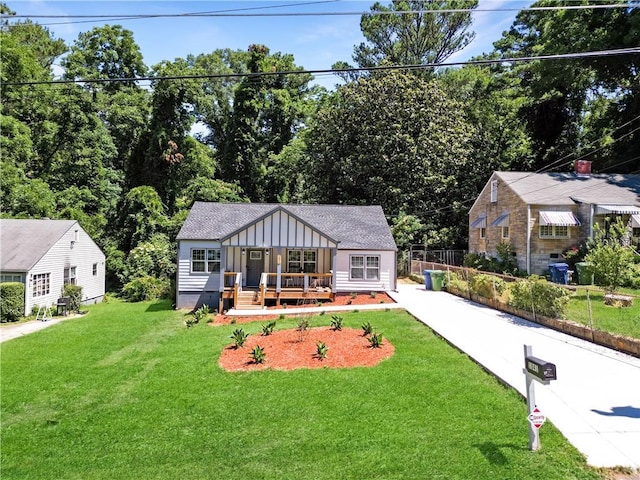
246	254
543	214
45	255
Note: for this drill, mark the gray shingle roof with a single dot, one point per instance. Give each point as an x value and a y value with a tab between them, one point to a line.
568	188
355	227
24	242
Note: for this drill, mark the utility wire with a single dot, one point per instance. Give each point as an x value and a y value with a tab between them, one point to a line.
321	14
383	68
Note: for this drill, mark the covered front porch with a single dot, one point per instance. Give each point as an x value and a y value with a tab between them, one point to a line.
277	288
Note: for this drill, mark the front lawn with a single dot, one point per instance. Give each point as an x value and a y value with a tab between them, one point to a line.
128	392
620	320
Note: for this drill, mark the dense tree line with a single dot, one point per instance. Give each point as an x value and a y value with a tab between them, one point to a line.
121	158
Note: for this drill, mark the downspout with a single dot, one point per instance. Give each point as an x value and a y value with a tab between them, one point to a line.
528	239
592	207
176	305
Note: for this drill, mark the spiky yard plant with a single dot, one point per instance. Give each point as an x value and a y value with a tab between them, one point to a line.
239	337
268	328
321	350
257	354
336	322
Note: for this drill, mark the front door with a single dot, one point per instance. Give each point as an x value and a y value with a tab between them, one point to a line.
255	265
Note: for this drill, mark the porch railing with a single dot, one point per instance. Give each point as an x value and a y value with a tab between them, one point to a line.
303	281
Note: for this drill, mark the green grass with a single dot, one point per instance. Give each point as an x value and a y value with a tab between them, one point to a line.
620	320
128	392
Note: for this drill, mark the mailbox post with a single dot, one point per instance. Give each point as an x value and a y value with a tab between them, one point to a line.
538	370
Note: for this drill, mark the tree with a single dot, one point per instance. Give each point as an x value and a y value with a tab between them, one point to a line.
107	52
413	38
396	141
268	110
561	93
141	215
610	253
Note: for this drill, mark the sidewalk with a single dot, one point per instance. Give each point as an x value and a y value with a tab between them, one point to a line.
595	402
9	332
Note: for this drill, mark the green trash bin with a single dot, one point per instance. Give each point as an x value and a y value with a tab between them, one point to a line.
437	279
585	273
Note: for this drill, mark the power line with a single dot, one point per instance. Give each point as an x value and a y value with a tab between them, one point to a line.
383	68
320	14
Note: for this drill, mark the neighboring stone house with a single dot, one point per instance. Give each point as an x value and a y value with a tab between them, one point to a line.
543	214
47	254
247	254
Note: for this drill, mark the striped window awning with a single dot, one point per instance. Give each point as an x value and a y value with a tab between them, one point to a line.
616	209
561	219
501	221
635	220
480	222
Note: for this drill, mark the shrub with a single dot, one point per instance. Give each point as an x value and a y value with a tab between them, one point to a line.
488	286
375	340
74	292
303	328
201	313
239	337
257	354
321	350
374	294
367	328
336	322
11	301
536	294
146	288
268	328
455	281
196	316
353	295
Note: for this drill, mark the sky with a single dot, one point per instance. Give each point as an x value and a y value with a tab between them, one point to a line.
316	42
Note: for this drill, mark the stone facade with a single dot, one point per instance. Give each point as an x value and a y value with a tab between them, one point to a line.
523	225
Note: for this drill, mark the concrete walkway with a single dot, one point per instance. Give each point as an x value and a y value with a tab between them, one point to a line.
595	402
9	332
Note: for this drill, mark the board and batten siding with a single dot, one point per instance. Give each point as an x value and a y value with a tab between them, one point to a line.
83	253
387	280
279	229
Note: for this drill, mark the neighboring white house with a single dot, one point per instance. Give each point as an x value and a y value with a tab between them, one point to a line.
258	252
47	254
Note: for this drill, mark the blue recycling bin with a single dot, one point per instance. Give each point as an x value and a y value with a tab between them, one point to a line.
427	280
559	273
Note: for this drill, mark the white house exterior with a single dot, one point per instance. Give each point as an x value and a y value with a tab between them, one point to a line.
47	254
282	252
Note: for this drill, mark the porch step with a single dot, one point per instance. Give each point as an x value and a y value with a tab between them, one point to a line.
248	300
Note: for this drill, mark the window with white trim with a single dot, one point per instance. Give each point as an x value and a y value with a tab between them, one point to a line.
554	231
41	283
205	260
94	269
299	261
69	276
483	232
364	267
505	232
11	277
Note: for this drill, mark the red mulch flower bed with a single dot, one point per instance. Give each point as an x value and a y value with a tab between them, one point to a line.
284	350
341	299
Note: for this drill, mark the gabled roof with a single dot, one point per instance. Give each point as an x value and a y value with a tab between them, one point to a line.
354	227
569	188
24	242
